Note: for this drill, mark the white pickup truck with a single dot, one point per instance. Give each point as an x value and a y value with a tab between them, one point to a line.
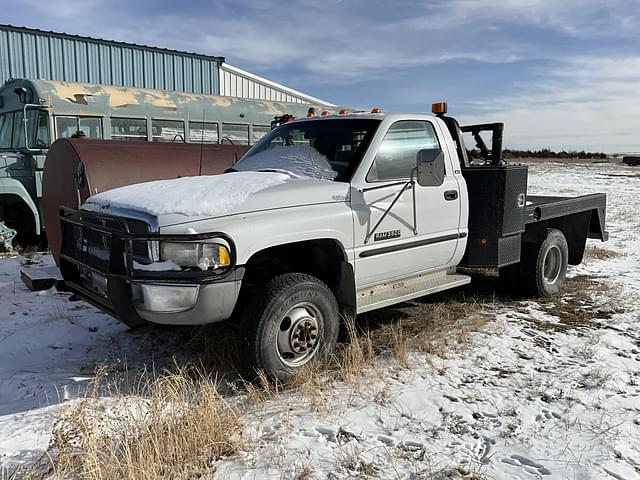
322	218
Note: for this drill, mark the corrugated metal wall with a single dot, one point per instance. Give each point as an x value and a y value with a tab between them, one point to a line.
28	53
235	82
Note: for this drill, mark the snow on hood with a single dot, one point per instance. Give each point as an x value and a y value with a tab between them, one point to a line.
299	160
211	195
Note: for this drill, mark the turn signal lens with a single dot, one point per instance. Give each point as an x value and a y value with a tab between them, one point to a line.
224	260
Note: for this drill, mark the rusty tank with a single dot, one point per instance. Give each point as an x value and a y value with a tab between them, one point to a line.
76	168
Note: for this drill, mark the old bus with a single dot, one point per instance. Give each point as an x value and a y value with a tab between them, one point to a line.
34	113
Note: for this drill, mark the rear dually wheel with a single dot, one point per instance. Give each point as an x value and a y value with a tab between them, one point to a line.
544	266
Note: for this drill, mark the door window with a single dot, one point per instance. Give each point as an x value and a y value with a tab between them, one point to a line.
396	157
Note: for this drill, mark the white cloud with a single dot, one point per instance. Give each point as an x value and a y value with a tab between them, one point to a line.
589	103
575	17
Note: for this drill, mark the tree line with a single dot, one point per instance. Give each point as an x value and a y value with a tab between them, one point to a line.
548	153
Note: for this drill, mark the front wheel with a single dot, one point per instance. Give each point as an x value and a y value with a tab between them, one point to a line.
544	266
292	323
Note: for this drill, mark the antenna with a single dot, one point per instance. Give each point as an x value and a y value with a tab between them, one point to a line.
201	143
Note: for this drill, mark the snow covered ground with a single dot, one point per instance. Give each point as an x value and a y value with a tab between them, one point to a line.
534	395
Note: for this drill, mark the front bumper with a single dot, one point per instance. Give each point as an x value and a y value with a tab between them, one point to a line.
212	303
97	263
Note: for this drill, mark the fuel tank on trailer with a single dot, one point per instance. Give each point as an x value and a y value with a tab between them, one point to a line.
76	168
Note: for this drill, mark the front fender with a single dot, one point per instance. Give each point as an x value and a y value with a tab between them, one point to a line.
281	227
12	187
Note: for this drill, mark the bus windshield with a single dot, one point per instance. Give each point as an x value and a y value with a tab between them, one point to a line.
12	129
328	149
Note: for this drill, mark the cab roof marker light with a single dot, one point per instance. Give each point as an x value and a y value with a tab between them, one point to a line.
439	108
376	110
343	111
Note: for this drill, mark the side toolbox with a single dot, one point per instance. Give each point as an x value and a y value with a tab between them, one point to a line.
497	214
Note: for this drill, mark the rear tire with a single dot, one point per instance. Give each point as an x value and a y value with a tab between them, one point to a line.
544	266
291	323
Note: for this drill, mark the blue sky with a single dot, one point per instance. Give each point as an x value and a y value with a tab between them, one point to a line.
560	74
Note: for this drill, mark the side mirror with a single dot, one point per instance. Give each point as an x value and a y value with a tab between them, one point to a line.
430	162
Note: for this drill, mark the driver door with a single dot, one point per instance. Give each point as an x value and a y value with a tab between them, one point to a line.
402	228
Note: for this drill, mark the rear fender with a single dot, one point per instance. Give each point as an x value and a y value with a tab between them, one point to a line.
10	189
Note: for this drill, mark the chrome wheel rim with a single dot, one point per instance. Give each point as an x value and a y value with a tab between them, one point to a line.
298	337
552	265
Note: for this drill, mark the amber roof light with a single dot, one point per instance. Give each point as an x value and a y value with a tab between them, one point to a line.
439	108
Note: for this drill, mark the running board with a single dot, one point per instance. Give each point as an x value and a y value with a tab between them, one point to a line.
402	290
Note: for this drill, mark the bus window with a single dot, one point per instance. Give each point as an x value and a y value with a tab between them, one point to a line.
235	134
259	131
203	132
18	130
128	129
6	125
66	126
91	127
167	131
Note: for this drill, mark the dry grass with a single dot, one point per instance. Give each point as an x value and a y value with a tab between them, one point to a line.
175	428
583	299
178	423
599	253
435	325
350	459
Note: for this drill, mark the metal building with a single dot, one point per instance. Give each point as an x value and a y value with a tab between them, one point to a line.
38	54
235	82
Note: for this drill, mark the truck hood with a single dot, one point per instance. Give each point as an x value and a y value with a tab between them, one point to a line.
190	199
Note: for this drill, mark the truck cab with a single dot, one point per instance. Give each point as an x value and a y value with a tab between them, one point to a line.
323	218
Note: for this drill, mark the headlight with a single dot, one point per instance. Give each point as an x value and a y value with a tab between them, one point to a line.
204	256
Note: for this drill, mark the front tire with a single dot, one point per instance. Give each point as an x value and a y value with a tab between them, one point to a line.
292	323
544	266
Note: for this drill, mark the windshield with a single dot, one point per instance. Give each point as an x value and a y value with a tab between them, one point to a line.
12	129
325	149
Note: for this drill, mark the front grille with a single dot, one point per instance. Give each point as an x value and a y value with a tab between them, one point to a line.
87	245
98	249
97	241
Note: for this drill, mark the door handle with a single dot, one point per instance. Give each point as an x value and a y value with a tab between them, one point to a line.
450	194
